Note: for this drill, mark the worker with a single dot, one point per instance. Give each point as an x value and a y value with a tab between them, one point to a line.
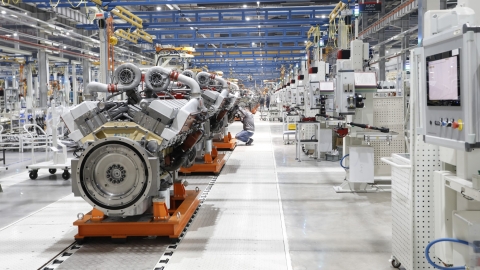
246	117
267	102
262	102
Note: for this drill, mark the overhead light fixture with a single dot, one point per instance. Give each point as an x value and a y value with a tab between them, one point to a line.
68	33
259	26
159	8
258	2
15	34
15	16
253	43
244	6
323	16
4	12
248	19
64	47
305	42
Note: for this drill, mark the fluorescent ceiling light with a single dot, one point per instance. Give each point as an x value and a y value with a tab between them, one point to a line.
244	6
4	12
159	8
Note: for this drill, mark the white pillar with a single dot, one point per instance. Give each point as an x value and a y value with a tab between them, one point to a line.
74	83
29	97
66	83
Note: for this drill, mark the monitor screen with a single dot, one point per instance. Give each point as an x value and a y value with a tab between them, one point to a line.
443	79
326	86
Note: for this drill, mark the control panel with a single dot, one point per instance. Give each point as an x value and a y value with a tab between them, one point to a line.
448	83
300	91
345	103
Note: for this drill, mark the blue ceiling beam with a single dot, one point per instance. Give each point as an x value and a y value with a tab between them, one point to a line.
223	23
245	49
272	53
159	2
249	65
231	64
251	49
230	31
215	40
254	11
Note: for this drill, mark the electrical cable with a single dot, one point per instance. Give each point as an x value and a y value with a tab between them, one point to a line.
341	162
73	6
427	253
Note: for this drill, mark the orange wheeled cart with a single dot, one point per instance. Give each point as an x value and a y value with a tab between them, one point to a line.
213	163
160	222
228	143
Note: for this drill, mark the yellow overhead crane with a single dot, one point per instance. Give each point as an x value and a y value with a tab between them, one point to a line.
127	16
127	35
188	50
338	8
12	59
134	20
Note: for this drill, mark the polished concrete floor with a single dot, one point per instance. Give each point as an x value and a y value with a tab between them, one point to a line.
324	230
328	230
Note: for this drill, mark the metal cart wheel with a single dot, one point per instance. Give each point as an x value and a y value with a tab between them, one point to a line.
66	175
52	171
33	175
396	264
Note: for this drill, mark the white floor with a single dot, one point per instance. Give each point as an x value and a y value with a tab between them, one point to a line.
265	211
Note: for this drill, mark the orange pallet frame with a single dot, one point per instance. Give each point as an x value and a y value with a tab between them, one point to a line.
213	163
164	222
228	143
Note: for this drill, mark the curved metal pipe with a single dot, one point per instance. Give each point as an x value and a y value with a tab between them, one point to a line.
222	81
235	86
174	75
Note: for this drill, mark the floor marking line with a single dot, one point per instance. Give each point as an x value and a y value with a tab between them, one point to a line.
15	222
282	217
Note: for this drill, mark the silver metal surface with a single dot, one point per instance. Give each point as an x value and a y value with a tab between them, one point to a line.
114	175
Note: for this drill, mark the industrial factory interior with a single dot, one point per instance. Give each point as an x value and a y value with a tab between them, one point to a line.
222	134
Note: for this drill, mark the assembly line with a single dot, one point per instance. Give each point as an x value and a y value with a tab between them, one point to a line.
181	134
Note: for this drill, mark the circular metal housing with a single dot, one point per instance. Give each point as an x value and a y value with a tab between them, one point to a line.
189	73
203	79
114	175
156	79
128	75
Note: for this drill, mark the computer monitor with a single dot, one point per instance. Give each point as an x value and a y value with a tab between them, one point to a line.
443	79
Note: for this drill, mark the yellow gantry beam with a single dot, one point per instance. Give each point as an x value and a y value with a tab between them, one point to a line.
143	35
128	16
127	35
338	8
